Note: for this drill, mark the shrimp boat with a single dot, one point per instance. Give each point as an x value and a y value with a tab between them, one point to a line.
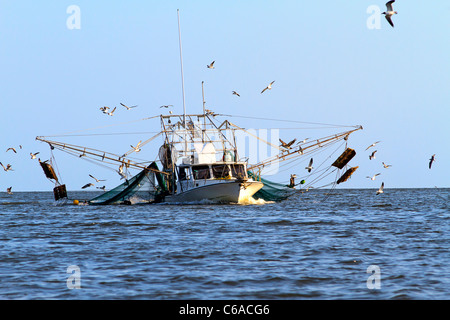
198	161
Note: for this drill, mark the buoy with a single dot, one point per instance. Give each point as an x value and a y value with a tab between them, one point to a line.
76	202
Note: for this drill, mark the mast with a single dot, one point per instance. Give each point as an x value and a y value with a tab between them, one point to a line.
204	118
182	78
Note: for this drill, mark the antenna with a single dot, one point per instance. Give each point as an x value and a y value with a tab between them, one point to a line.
182	76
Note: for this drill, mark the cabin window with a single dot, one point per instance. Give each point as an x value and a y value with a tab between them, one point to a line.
221	171
201	172
182	174
238	171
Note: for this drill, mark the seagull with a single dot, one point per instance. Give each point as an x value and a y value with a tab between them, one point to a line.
128	108
136	149
292	181
372	145
104	109
97	180
390	12
432	159
33	155
372	156
381	188
386	165
7	168
11	149
211	66
303	141
373	178
8	190
309	167
102	188
166	106
269	87
87	185
236	94
112	112
120	172
287	145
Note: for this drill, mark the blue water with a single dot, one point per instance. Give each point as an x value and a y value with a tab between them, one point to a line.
311	246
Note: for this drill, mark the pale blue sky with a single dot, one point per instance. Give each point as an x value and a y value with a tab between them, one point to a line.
328	65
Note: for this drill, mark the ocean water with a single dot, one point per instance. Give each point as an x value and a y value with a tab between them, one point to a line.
327	245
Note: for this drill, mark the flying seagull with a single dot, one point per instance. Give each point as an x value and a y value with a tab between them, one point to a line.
287	145
11	149
7	168
269	87
309	167
390	12
432	159
211	66
8	190
386	165
167	106
87	185
372	156
102	188
374	176
136	149
128	108
112	112
104	109
33	155
97	180
236	94
372	145
381	188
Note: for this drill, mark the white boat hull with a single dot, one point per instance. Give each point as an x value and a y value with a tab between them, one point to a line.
221	192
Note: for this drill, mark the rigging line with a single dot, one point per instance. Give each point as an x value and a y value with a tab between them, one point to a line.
105	134
101	127
283	120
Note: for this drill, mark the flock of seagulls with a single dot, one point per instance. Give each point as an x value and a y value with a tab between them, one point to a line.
106	109
269	86
8	167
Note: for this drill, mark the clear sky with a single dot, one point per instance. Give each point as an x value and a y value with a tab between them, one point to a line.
328	64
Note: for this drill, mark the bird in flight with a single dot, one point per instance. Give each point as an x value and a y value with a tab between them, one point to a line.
128	108
211	65
381	189
102	188
87	185
386	165
166	106
390	12
287	145
432	159
137	148
372	156
309	167
372	145
104	109
236	94
11	149
97	180
269	87
374	176
7	168
112	112
33	155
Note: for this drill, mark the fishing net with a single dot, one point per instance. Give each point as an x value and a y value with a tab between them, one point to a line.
141	188
271	191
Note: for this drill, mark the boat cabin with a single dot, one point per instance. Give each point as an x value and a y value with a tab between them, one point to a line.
214	171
